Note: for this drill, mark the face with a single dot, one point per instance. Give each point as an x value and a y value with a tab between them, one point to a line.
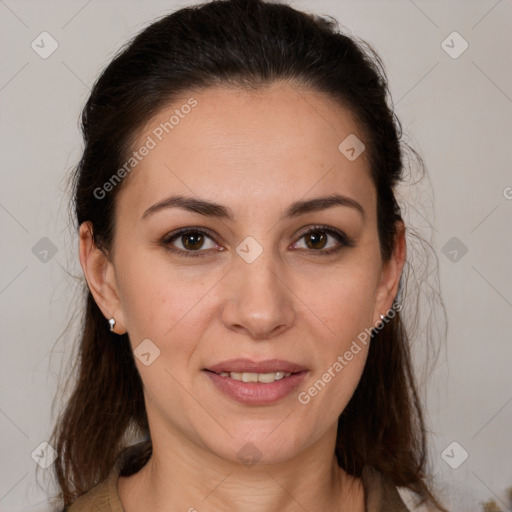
270	272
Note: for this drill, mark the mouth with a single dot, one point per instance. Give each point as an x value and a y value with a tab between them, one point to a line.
265	378
256	383
246	370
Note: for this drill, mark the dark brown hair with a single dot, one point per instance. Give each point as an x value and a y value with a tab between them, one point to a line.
239	43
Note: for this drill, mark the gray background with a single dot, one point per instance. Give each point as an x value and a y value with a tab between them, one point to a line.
457	112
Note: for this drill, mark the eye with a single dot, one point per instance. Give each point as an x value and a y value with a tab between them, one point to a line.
317	237
191	241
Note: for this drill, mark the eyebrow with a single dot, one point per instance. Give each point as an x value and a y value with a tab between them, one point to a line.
215	210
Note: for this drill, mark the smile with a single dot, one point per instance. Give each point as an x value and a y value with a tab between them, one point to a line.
256	377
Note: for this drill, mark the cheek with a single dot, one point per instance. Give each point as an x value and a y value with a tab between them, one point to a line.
329	391
345	305
159	301
344	301
341	350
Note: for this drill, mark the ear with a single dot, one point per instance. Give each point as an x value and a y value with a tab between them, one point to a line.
100	276
390	276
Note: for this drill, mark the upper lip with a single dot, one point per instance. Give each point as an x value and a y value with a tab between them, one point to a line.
249	366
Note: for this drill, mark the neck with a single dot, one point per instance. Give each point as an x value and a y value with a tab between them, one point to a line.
180	475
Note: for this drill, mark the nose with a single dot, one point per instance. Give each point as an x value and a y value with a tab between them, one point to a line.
259	302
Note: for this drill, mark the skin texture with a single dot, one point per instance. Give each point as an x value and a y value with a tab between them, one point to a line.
255	152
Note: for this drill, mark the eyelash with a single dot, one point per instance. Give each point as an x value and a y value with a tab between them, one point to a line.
339	235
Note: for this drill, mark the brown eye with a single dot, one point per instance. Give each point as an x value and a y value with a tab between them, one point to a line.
192	241
316	240
189	242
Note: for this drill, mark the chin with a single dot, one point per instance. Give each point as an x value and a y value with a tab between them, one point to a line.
250	448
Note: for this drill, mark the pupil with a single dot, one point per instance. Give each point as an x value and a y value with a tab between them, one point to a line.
315	240
196	238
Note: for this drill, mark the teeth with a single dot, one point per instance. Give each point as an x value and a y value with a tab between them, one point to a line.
256	377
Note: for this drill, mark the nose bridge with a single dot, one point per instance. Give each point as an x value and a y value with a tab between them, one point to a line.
260	303
261	273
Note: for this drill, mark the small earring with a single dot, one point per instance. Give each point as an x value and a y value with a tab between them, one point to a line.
112	322
382	317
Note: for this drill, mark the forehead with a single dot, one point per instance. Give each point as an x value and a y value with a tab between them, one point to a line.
241	147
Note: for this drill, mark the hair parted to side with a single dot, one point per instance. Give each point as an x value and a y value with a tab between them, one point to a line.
238	43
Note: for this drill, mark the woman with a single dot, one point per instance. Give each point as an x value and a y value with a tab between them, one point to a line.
243	251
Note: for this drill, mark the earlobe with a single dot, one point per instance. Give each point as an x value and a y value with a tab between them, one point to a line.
100	276
391	274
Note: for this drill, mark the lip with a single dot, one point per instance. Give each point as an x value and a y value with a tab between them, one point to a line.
249	366
257	393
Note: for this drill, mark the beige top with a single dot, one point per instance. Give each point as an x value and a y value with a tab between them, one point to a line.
380	494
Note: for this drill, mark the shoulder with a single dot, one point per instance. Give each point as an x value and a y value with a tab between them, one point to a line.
381	494
102	497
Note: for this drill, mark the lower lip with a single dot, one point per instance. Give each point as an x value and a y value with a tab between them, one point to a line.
257	393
